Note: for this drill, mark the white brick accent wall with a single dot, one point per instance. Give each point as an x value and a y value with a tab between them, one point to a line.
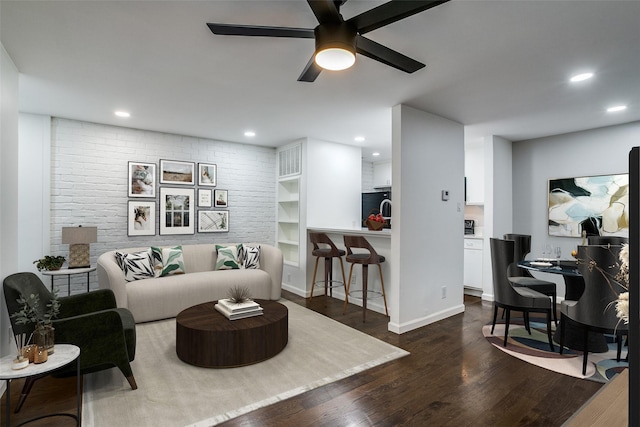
90	176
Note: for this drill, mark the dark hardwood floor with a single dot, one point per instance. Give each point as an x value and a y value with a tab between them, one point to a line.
452	377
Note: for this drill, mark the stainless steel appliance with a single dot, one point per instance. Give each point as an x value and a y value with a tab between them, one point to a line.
469	226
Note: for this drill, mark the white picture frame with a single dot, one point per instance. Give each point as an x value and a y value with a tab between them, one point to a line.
210	221
177	172
207	174
141	218
177	210
204	198
142	179
220	198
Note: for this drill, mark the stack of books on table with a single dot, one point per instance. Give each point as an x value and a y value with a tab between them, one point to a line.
235	311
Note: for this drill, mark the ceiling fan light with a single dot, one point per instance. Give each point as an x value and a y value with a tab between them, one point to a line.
335	46
335	58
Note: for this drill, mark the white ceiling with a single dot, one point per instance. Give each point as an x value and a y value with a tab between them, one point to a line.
498	67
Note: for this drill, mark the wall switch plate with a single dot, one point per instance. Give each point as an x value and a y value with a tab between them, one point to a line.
445	195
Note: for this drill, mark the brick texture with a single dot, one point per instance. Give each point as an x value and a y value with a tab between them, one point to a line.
89	181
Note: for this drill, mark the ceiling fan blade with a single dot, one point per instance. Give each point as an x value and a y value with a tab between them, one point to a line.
390	12
260	31
310	72
373	50
326	11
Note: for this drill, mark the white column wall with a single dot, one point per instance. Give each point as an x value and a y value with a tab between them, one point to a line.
334	176
34	184
427	236
9	79
498	207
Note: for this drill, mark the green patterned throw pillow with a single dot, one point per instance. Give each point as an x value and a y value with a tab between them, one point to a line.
156	260
227	258
172	261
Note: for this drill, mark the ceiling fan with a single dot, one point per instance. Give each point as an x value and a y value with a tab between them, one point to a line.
337	40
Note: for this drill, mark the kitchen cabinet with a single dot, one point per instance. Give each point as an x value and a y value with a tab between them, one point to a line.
382	174
473	253
474	173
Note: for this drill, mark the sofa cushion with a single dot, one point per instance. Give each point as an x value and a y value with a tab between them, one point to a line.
156	260
167	261
250	256
172	261
136	265
227	257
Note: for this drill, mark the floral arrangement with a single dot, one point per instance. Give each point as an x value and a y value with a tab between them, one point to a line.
622	303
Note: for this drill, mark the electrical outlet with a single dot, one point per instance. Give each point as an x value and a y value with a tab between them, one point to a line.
444	292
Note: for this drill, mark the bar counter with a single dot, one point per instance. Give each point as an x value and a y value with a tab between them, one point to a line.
381	242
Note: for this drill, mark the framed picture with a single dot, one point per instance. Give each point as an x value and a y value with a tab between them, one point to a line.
596	205
220	199
176	210
142	179
207	174
175	172
204	198
213	221
141	218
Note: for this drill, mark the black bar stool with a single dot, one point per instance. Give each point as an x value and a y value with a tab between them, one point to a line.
328	251
372	257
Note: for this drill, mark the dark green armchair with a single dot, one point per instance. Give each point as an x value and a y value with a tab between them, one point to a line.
105	334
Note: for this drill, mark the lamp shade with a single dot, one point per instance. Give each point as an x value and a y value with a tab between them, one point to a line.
74	235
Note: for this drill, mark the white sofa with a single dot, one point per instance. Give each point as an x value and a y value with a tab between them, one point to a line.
164	297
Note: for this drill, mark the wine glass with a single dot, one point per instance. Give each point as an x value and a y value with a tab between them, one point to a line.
558	251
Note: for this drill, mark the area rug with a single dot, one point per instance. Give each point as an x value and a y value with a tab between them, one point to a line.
173	393
535	349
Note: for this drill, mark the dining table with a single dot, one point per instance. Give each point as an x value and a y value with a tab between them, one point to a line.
574	287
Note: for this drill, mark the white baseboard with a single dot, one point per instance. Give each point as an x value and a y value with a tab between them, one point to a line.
424	321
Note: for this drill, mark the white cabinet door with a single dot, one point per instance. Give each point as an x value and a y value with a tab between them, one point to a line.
474	172
473	263
382	174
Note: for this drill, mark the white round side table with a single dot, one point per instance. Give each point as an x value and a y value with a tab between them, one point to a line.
64	354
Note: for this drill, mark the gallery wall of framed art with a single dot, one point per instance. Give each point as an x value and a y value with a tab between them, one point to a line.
182	188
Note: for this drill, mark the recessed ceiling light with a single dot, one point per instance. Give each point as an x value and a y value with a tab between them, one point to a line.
250	134
616	108
375	154
581	77
359	139
122	114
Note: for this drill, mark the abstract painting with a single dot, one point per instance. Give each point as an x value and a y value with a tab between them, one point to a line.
595	205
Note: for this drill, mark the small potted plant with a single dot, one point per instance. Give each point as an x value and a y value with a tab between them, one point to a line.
49	263
30	313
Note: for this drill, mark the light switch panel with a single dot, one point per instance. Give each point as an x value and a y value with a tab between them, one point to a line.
445	195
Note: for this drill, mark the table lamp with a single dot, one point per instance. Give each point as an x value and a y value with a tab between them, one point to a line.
79	239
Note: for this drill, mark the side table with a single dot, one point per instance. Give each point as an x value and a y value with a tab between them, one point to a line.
69	272
64	355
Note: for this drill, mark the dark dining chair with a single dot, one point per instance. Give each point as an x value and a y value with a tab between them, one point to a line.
595	310
521	277
607	240
513	298
105	334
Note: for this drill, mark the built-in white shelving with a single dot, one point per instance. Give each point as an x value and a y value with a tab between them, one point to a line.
289	219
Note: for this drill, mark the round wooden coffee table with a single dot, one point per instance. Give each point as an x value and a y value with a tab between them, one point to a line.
205	337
